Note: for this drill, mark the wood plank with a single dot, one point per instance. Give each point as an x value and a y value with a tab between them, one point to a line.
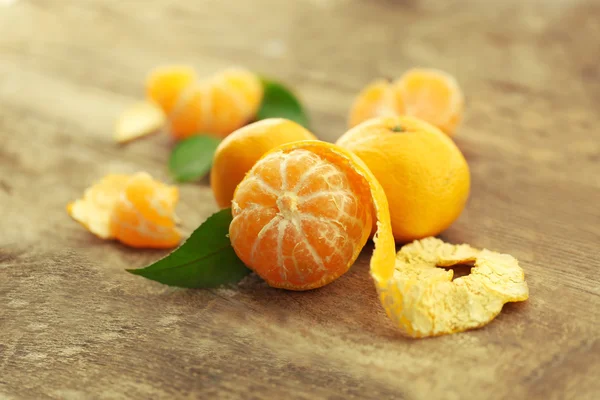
74	325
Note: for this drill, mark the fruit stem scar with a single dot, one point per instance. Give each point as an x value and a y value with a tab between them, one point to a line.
398	128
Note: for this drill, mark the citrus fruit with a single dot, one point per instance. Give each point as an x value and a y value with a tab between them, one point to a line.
134	209
423	173
303	213
218	104
429	94
144	215
238	152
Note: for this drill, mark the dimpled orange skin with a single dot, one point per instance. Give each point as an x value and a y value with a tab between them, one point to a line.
423	173
238	152
143	216
303	213
218	104
429	94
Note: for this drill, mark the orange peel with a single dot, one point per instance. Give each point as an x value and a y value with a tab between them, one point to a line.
134	209
423	300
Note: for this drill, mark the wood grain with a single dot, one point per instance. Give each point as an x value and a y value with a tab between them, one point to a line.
74	325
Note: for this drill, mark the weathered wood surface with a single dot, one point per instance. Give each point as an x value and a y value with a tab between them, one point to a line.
74	325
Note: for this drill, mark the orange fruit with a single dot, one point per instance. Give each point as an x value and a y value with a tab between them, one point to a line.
134	209
303	213
429	94
238	152
94	210
219	104
423	173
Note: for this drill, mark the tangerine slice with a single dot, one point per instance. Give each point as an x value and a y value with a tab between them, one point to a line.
375	100
219	104
144	214
165	84
94	209
429	94
303	213
134	209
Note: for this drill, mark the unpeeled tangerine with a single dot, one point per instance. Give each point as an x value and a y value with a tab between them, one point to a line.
423	300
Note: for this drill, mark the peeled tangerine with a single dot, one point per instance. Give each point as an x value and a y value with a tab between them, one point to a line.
134	209
429	94
424	175
218	104
238	152
305	210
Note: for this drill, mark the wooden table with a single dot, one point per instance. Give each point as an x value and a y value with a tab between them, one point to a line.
74	325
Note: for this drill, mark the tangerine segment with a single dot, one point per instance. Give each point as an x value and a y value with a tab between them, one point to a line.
144	214
303	213
429	94
219	104
375	100
238	152
164	85
134	209
423	300
94	210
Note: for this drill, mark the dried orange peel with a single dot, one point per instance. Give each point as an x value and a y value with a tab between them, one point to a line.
134	209
423	300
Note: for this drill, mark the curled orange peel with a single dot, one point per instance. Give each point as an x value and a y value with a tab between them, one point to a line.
423	300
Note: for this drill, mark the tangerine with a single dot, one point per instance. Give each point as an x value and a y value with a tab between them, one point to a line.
423	173
429	94
218	104
238	152
303	213
134	209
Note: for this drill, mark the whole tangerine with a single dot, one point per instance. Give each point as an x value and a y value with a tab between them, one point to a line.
238	152
423	173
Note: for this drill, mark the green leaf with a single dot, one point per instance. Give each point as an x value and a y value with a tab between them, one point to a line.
205	260
280	102
191	158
